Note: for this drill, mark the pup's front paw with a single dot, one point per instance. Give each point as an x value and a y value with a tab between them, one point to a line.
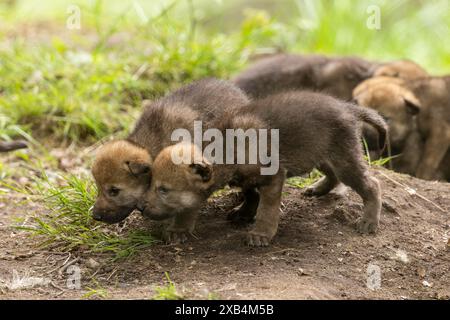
175	236
366	226
257	240
262	233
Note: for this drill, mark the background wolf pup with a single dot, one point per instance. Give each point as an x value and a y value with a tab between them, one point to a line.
418	113
315	131
122	168
400	108
337	76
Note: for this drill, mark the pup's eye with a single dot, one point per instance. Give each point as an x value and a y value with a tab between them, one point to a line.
113	191
162	190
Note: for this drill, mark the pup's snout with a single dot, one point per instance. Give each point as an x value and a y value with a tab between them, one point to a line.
141	206
109	215
96	214
97	217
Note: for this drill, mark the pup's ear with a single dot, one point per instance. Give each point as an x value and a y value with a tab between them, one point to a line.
412	104
203	170
137	168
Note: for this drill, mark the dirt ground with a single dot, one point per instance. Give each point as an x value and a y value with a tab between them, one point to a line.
317	254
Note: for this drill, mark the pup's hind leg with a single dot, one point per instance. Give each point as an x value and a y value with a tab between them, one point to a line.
325	184
353	171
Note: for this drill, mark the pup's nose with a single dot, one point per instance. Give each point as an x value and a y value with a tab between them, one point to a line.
141	206
97	216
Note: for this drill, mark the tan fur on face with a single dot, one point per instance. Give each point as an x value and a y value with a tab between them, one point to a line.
178	176
181	184
371	83
387	96
405	69
423	140
110	162
122	174
383	94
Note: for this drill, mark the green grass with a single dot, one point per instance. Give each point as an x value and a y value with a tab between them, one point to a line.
97	292
68	224
167	292
76	91
303	182
84	85
339	27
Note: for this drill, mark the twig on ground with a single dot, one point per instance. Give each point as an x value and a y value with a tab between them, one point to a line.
59	266
57	287
111	274
68	264
412	191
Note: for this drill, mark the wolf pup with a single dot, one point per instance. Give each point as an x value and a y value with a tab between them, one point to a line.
418	112
400	108
284	72
337	76
315	131
393	101
122	168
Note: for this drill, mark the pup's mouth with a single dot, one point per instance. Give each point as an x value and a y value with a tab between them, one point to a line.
141	207
111	217
148	213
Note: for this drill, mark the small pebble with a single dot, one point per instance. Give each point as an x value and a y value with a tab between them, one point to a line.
91	263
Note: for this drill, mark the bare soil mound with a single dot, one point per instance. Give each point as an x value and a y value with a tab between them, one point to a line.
317	254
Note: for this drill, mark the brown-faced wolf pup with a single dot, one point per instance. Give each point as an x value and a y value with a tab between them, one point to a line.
315	131
122	168
418	113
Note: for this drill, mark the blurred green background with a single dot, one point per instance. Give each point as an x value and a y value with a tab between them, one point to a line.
61	85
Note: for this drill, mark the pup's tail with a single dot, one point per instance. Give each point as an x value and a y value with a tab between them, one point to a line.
373	118
13	145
